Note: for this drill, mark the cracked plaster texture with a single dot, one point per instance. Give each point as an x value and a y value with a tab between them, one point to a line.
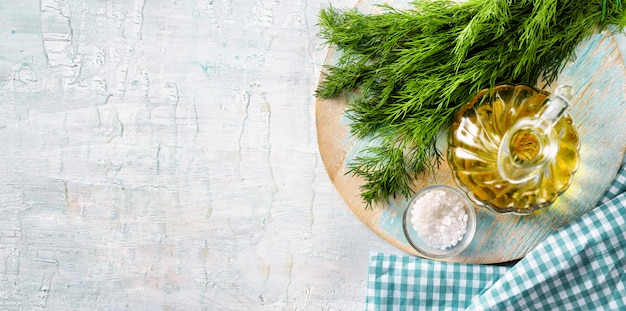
162	155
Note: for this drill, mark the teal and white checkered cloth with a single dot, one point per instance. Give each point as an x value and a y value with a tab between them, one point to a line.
580	267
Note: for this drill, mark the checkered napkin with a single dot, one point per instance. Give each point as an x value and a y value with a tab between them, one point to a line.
580	267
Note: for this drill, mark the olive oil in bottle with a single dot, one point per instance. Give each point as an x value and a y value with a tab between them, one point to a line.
477	133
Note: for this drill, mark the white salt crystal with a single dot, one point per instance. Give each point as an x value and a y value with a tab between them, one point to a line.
446	221
439	218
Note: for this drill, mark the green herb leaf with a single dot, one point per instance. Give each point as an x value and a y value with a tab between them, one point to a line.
410	70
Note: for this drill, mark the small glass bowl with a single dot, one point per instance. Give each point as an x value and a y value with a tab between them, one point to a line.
419	244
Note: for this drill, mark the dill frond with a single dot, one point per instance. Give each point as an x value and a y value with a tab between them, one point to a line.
410	70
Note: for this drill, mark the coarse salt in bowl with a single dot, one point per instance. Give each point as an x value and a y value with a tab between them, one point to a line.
439	221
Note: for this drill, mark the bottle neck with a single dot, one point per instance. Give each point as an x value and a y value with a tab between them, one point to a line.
530	144
526	149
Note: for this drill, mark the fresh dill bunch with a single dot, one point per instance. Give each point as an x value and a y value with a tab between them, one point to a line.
410	70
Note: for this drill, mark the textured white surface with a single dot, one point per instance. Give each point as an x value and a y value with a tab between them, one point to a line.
162	155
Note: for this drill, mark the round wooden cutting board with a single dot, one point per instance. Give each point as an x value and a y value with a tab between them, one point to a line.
598	76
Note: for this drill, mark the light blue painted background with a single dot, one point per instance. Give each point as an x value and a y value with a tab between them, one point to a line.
162	155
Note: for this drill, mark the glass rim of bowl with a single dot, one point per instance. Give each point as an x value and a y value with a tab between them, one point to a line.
423	249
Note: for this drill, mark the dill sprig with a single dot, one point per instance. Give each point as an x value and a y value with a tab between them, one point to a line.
410	70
